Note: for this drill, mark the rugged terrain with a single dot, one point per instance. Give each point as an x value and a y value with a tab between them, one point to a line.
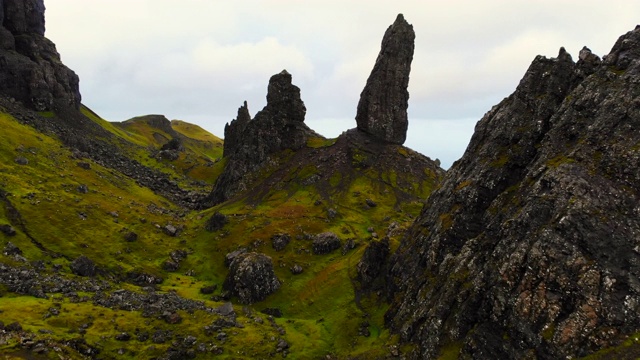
152	238
111	249
529	249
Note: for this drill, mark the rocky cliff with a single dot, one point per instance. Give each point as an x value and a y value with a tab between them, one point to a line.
382	110
30	67
248	143
531	247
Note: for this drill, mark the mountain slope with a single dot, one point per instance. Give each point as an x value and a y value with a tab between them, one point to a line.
529	248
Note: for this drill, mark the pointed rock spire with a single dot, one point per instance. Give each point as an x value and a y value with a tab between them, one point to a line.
382	110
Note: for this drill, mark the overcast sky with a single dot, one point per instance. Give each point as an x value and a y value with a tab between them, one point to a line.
198	60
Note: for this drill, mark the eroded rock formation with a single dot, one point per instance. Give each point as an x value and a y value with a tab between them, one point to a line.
249	143
529	249
30	67
382	110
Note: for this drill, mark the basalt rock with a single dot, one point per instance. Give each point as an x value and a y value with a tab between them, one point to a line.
249	143
529	249
251	278
382	110
30	66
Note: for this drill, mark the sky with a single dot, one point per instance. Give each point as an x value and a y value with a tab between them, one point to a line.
198	60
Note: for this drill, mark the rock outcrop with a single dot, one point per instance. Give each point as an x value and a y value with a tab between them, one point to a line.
249	143
30	67
382	110
529	249
251	278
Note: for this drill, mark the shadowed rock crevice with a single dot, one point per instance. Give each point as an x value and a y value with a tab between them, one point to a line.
382	110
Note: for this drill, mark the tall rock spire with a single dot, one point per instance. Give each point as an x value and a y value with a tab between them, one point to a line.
382	110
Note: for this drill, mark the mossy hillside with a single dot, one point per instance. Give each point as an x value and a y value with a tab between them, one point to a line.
99	326
142	142
321	310
46	194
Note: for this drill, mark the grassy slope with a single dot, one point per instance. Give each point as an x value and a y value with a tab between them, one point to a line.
321	315
199	162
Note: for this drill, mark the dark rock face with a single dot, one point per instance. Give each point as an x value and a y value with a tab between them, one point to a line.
280	241
530	247
251	278
216	222
249	143
233	130
372	261
382	110
31	70
325	243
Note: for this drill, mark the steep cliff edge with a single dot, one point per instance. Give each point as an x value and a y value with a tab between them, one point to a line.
30	67
530	248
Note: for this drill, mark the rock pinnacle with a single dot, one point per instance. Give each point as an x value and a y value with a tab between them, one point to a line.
382	110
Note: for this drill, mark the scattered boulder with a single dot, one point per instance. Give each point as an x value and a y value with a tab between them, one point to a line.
123	336
83	189
382	110
226	309
325	243
170	230
84	165
280	241
143	279
170	265
83	266
7	230
275	312
370	203
173	144
172	317
130	236
296	269
21	160
10	249
208	290
251	278
216	222
13	327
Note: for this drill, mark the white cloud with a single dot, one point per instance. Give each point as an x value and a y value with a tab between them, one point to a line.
199	59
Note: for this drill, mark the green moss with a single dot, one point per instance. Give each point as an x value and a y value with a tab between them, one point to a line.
319	142
451	351
559	160
501	161
548	332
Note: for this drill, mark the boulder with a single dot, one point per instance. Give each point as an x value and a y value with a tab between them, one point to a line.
7	230
83	266
251	278
280	241
325	243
